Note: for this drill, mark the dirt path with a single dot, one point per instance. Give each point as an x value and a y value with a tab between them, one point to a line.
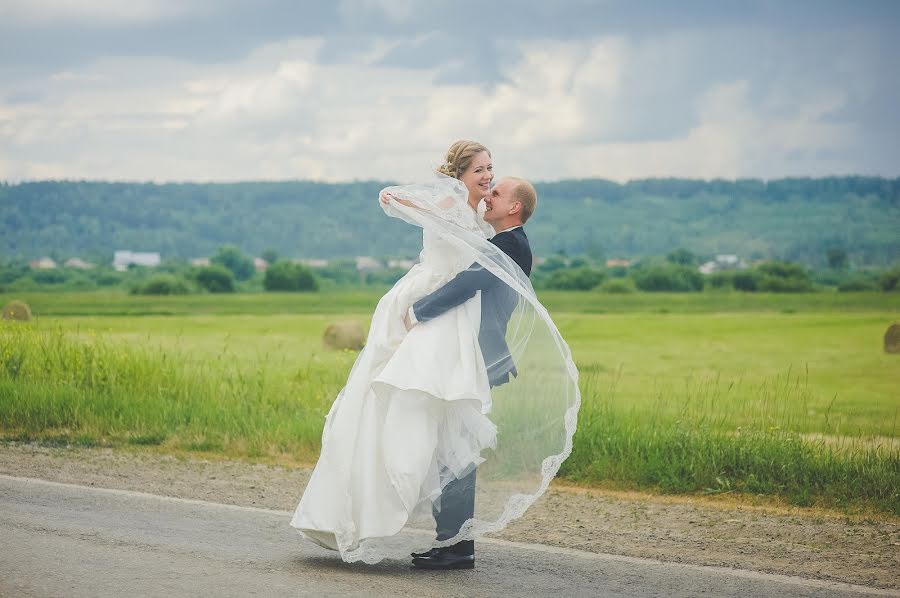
704	532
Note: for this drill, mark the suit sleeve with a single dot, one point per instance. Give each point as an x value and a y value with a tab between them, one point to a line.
456	292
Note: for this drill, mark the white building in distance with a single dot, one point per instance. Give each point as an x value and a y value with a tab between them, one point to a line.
365	263
405	264
721	264
124	258
77	262
312	262
45	263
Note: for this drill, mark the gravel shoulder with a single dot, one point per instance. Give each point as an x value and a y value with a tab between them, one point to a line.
791	541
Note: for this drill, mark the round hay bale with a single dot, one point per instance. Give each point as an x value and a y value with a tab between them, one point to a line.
892	338
17	310
344	335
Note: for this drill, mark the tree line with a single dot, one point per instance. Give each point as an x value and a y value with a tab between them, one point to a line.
795	219
230	270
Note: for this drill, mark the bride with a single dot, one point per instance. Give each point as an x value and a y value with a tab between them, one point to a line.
418	413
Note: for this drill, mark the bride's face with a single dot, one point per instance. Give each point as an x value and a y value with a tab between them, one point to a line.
477	177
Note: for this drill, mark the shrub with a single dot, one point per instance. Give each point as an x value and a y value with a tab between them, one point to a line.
52	276
618	286
720	280
857	284
13	272
784	277
783	270
583	278
17	310
682	256
671	278
108	278
162	284
746	280
553	263
287	276
231	257
215	279
890	280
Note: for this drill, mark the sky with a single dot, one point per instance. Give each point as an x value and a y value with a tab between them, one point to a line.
226	90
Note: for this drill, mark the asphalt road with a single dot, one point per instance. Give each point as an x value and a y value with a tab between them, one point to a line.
65	540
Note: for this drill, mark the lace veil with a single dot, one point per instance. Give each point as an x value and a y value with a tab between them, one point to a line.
536	411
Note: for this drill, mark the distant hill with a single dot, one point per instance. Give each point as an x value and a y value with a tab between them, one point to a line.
795	219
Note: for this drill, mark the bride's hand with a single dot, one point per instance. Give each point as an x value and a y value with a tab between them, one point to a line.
387	198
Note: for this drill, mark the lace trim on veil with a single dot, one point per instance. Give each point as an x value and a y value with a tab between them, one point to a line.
536	413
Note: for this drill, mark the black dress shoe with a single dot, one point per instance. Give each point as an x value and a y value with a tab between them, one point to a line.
419	555
444	560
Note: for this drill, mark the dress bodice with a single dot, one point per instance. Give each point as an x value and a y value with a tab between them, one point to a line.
441	256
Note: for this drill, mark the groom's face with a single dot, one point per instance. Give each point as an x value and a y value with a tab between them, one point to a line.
501	201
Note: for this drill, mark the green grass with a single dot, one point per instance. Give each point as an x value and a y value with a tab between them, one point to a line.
118	303
87	389
741	398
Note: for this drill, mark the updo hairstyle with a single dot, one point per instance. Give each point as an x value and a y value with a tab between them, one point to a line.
459	156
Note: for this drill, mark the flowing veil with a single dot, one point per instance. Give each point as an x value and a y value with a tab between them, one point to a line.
535	412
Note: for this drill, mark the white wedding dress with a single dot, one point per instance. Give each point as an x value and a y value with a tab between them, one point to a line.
418	412
412	416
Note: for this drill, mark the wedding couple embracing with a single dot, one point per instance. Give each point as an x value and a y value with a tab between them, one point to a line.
463	372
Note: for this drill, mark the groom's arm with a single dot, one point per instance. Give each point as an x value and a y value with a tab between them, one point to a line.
457	291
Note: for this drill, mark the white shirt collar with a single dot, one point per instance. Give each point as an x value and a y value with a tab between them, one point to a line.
509	229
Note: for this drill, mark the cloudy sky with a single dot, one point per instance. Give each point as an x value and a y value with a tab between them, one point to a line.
223	90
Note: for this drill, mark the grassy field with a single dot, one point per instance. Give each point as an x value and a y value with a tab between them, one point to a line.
789	396
118	303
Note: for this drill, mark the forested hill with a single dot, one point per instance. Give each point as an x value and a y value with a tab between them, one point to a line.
795	219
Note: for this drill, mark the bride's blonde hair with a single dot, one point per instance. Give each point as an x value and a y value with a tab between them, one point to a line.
459	156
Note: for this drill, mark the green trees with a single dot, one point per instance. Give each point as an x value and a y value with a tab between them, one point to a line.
671	278
215	279
270	255
837	258
771	277
752	218
162	284
287	276
618	286
683	257
890	280
745	280
231	258
582	278
784	277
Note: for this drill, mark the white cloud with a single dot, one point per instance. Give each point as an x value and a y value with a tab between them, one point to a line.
96	12
563	109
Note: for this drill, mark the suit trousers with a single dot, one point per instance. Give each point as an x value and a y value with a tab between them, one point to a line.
457	505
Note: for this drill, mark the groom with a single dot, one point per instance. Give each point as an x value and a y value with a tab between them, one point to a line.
509	205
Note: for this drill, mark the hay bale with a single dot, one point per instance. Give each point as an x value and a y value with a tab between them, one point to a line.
17	310
892	338
344	335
